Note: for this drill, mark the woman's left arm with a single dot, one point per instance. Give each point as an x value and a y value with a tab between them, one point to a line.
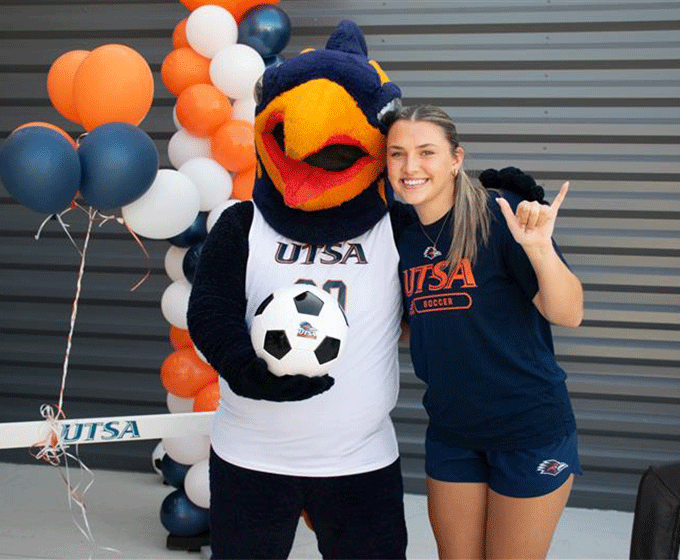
560	294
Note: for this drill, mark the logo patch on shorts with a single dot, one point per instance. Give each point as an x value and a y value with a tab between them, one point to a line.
552	467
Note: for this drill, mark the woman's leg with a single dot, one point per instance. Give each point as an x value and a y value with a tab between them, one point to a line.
524	527
457	514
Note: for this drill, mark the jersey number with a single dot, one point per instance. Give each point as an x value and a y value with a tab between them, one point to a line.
330	286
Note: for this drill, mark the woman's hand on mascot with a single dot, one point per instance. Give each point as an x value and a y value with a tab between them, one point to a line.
255	381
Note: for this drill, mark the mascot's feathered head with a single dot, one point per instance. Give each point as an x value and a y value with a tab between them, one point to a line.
320	140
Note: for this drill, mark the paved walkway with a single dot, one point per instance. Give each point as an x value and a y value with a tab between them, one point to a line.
123	513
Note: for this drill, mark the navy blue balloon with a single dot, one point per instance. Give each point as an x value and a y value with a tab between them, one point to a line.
266	29
190	261
273	60
120	161
40	168
181	517
174	473
195	233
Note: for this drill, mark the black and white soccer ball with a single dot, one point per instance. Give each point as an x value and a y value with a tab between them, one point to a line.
299	329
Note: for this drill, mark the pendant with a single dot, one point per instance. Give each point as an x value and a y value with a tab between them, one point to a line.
431	252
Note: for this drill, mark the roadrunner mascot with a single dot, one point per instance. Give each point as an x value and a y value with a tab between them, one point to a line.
321	214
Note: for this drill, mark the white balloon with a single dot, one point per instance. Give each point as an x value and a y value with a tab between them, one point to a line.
173	262
183	147
216	212
157	456
210	29
212	180
244	110
168	208
175	120
175	303
235	69
197	484
179	404
187	449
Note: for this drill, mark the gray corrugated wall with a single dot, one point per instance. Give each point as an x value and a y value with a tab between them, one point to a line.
567	90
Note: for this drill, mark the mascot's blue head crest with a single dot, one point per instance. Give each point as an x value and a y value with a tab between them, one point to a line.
320	140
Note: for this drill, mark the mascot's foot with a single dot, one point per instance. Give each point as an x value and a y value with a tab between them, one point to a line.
190	544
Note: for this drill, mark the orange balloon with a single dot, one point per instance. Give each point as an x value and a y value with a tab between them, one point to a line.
242	185
184	67
51	127
233	146
238	8
207	399
179	35
184	374
202	109
179	338
113	84
60	83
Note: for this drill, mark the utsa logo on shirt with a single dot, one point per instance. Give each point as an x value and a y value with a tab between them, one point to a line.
337	253
436	283
553	467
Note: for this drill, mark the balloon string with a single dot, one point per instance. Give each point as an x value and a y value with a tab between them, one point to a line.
52	449
146	253
64	226
139	242
74	310
51	446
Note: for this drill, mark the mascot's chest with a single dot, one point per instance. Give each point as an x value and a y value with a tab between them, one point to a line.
361	272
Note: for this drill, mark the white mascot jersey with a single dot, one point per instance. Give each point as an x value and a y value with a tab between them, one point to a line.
347	429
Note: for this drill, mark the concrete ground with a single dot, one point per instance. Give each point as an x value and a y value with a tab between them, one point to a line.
123	514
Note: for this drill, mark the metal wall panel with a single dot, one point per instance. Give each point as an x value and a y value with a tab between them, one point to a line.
585	91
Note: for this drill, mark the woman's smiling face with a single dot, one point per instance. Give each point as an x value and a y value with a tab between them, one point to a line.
422	165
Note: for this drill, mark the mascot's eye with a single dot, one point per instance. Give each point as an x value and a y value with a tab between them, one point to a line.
257	93
389	111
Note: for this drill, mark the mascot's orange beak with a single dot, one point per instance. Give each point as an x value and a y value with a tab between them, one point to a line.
317	146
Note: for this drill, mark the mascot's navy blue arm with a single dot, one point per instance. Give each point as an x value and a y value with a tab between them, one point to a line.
217	310
401	216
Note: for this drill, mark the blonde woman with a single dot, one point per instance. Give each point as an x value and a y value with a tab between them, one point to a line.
482	281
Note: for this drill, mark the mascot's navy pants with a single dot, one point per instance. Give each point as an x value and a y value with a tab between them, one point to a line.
255	514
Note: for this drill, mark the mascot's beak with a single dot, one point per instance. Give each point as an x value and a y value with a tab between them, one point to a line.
317	146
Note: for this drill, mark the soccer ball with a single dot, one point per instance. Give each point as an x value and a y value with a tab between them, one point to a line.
299	329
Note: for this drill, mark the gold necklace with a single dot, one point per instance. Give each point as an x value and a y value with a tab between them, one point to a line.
431	252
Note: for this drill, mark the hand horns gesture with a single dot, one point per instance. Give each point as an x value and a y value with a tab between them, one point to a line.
532	224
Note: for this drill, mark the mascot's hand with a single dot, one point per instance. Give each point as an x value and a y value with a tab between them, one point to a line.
255	381
514	180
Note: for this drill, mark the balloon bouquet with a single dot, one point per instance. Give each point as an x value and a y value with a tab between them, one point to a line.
114	164
219	52
108	91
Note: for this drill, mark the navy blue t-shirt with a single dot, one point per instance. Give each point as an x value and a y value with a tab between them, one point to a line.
480	344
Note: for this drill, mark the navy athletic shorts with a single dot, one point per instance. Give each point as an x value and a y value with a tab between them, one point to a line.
255	514
524	473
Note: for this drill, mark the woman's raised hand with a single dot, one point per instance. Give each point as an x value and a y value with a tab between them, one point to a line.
533	223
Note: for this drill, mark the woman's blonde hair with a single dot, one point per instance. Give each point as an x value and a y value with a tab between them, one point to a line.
470	224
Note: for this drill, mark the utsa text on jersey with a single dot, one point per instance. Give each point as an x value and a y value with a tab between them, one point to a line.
337	253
